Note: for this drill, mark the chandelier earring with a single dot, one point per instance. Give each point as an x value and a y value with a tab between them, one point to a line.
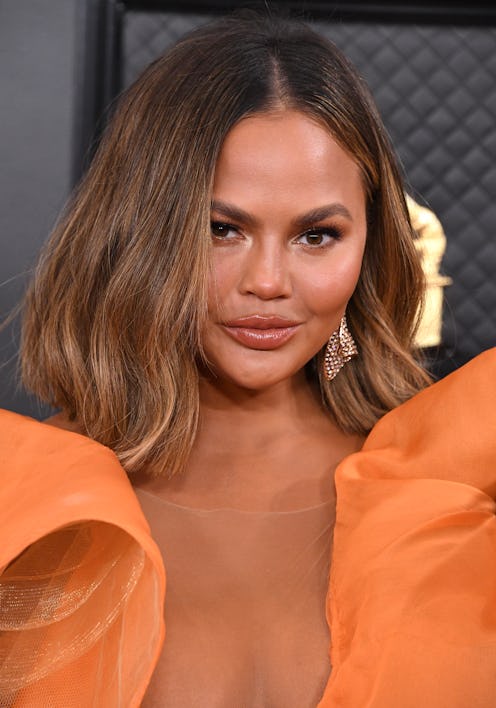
340	349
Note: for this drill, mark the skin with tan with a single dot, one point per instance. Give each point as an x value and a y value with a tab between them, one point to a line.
288	233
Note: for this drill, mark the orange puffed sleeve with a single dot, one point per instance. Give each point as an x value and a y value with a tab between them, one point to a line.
82	583
412	602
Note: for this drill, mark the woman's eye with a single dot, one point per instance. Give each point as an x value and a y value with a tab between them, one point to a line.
221	230
319	237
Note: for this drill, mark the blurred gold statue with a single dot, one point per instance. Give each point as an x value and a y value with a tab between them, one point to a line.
431	244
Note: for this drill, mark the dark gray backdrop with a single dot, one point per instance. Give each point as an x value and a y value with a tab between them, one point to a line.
38	48
45	106
435	85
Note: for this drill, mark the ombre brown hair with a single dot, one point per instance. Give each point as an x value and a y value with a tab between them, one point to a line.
113	318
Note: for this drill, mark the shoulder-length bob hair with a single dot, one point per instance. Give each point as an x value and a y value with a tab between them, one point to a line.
113	318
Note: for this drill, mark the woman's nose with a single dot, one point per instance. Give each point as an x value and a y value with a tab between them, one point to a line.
265	272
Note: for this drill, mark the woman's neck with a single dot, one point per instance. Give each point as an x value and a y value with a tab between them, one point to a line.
266	450
254	420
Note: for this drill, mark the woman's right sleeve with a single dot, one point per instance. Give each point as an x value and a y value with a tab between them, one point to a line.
82	582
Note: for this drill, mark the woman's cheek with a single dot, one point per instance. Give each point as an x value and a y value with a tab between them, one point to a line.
331	288
222	280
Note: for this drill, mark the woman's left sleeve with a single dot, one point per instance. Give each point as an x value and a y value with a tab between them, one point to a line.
413	575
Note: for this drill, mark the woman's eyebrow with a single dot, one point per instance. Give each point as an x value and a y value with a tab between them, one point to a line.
232	212
307	219
320	213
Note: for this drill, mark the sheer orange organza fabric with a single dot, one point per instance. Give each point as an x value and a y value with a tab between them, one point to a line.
245	609
412	596
81	592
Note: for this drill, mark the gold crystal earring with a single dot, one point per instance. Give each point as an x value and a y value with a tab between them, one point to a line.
340	348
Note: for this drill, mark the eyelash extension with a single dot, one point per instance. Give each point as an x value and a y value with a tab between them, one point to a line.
333	231
224	224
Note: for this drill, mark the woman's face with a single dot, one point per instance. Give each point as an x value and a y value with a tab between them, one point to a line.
288	233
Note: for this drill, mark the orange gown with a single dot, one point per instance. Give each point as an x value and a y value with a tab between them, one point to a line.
411	603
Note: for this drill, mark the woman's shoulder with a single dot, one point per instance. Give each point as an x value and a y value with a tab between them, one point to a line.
430	457
25	437
469	386
447	431
51	476
75	538
450	426
414	547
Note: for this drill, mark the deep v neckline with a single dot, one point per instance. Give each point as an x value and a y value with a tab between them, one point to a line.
271	571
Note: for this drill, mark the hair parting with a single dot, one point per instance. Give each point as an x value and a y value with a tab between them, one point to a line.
113	320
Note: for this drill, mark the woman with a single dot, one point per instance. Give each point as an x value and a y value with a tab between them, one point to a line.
225	310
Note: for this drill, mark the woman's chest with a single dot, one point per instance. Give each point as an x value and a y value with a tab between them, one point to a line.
245	607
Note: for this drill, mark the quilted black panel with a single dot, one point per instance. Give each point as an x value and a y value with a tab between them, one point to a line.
436	89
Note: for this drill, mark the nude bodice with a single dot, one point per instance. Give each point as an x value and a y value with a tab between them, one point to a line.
245	606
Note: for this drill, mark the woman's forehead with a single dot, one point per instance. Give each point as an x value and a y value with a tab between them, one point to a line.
285	156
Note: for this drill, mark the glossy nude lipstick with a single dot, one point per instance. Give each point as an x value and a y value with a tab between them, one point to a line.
262	332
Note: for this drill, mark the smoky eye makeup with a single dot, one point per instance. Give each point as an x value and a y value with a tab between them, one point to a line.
319	236
312	237
222	230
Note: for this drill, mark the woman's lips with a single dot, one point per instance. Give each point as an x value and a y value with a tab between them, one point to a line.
259	332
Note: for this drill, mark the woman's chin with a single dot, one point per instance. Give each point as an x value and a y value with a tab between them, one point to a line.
253	379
